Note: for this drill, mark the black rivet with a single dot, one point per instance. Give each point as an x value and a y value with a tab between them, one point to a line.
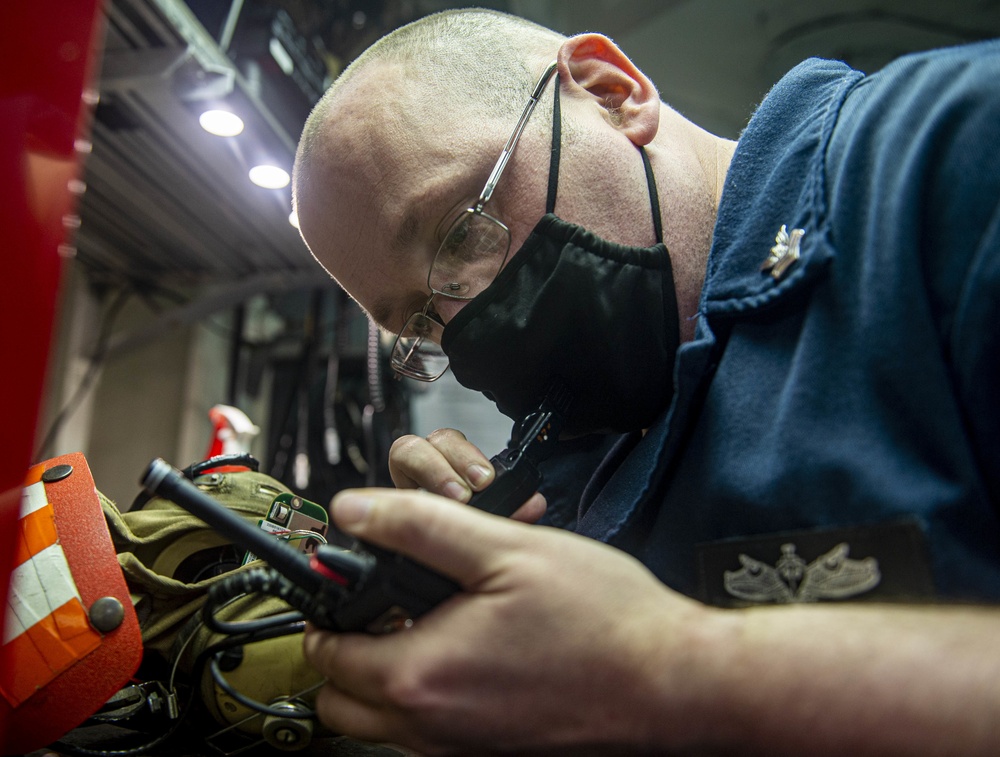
106	614
56	473
209	479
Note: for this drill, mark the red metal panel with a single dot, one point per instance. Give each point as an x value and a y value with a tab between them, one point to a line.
50	50
56	694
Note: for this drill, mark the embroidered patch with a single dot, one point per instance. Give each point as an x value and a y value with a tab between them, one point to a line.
875	562
830	576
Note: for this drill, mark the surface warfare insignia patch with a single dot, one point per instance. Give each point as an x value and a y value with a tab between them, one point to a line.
830	576
890	563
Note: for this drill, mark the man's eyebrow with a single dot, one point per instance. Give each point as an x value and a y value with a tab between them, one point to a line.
406	234
381	313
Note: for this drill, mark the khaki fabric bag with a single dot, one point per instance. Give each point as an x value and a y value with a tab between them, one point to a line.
171	558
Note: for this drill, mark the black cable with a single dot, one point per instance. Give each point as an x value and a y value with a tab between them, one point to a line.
371	449
198	671
62	747
303	714
235	352
243	459
376	403
331	434
239	640
260	625
376	392
265	581
212	654
194	470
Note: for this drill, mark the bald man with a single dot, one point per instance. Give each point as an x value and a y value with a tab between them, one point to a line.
793	337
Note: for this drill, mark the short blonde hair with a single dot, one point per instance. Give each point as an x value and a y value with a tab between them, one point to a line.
476	58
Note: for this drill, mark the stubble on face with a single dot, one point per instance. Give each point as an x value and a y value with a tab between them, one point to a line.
352	204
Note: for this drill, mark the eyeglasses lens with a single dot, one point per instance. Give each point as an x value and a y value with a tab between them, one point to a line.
470	256
417	352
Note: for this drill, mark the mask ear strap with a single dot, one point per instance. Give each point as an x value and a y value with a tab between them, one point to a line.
550	202
654	197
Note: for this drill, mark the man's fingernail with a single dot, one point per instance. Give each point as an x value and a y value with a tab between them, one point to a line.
454	490
478	475
351	508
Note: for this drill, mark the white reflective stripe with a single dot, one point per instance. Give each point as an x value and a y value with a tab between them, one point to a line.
33	498
37	588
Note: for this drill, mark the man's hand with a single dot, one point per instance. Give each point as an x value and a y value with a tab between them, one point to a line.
546	617
560	643
448	464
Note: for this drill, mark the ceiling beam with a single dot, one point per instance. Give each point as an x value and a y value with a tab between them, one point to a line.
214	300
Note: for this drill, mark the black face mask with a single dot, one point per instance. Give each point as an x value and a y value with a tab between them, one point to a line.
571	306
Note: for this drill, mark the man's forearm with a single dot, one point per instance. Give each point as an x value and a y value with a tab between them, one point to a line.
848	679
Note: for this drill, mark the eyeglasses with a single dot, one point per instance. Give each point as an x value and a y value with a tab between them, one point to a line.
468	260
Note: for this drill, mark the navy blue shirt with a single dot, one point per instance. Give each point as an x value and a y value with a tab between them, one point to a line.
842	409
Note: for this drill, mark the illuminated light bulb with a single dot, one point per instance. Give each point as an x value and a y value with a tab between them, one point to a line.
221	123
269	177
293	219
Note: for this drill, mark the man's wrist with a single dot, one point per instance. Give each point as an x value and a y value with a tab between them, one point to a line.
689	671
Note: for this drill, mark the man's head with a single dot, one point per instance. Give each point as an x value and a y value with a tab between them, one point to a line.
588	298
405	138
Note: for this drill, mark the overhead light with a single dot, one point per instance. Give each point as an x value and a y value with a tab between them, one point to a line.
222	123
293	219
269	177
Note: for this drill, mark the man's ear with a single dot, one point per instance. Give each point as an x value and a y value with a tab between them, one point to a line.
594	63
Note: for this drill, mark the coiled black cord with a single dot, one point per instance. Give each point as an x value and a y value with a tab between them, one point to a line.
263	581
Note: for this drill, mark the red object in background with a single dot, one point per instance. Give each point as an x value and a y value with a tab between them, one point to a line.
232	434
50	51
232	431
